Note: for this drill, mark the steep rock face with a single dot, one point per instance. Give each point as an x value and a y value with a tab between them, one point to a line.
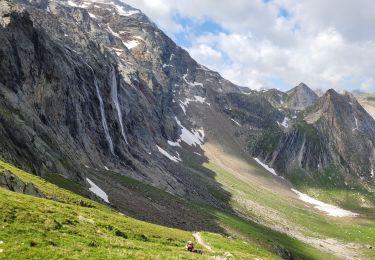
276	97
301	97
335	132
349	129
90	86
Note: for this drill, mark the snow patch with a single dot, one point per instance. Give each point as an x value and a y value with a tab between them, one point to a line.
97	191
71	3
118	52
193	84
121	11
166	154
167	65
183	107
92	15
265	166
372	172
235	122
131	44
197	99
106	168
113	32
174	144
194	137
285	122
356	125
331	210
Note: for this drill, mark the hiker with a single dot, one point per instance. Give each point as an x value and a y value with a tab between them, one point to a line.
189	246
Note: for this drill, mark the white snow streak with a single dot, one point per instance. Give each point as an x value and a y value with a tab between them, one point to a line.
356	124
183	107
113	32
331	210
97	191
174	144
166	154
235	122
265	166
167	65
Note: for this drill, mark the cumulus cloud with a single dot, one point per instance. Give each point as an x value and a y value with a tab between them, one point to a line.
322	43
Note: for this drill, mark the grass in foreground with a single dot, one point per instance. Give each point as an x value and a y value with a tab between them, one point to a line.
72	227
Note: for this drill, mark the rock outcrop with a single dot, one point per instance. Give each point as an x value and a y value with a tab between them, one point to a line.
13	183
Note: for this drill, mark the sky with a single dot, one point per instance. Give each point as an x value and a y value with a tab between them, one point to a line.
275	43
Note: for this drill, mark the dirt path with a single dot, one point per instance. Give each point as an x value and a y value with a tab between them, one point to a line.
200	241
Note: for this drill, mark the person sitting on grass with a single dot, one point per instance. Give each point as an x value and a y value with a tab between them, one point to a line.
189	246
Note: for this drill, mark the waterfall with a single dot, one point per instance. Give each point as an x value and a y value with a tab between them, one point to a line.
102	112
104	120
116	102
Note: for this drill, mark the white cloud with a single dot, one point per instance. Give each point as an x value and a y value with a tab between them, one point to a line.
322	43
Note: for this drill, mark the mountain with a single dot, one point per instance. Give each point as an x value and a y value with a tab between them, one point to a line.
321	140
96	99
301	97
276	97
341	117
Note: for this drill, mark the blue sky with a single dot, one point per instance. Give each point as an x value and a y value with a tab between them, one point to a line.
275	43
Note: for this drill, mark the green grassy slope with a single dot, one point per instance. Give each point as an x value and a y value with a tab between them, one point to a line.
66	225
70	226
311	222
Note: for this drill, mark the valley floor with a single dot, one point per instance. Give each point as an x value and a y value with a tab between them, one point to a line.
268	221
259	196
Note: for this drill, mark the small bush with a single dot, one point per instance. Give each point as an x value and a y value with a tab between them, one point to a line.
141	237
119	233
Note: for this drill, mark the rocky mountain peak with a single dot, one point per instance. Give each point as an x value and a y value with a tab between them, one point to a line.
347	126
301	97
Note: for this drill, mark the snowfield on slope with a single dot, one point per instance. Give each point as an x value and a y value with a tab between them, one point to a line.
169	156
265	166
192	138
97	191
330	210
